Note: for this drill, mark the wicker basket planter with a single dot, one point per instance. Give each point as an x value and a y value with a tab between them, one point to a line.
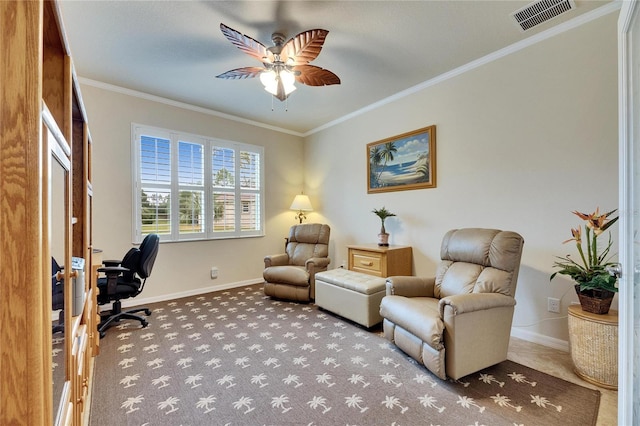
595	301
593	342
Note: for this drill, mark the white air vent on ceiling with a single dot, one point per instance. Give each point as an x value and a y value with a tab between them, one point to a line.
541	11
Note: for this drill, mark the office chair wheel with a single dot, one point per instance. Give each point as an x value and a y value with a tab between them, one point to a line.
147	312
144	323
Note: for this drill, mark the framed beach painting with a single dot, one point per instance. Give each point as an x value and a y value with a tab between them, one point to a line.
406	161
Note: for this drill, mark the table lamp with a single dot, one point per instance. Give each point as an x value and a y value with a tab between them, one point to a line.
302	204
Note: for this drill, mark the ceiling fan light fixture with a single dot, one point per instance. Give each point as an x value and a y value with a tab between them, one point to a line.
284	63
270	78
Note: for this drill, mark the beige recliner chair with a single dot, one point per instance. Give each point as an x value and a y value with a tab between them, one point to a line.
458	322
291	275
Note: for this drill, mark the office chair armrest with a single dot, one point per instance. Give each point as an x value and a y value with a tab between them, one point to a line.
112	273
276	260
109	263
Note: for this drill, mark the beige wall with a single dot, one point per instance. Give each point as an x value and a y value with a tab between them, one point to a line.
185	266
521	142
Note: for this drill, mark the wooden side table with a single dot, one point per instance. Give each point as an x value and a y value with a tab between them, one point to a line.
593	341
380	261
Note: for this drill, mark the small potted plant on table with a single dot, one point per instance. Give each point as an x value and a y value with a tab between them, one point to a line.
383	237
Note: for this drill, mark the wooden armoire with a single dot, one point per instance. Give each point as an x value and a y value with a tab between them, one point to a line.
45	210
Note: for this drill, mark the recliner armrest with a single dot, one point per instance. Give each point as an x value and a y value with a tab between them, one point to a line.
409	286
280	259
471	302
317	262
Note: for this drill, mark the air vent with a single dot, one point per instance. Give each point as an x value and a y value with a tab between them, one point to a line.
541	11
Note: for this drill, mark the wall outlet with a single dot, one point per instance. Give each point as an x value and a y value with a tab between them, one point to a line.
214	273
553	304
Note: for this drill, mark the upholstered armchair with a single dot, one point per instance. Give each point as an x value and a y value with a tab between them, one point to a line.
291	275
459	321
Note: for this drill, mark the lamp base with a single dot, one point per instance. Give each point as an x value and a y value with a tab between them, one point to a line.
300	216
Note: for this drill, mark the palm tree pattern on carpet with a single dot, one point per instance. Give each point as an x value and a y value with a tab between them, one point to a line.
236	357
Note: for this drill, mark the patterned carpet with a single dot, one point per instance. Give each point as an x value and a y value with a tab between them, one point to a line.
238	358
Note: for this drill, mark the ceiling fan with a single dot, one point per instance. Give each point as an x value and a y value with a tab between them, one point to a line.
283	63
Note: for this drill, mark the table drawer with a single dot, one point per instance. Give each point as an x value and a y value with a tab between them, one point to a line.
366	262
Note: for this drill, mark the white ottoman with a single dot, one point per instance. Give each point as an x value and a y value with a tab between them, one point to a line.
353	295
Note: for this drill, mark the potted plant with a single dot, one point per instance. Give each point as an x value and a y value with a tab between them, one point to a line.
595	286
383	237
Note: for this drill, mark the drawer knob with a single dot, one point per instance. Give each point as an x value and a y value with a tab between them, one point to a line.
366	263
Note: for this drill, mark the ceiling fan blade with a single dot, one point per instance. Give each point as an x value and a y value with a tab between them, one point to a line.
304	47
315	76
247	44
241	73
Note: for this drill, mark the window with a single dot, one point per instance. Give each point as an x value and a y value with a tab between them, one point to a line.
190	187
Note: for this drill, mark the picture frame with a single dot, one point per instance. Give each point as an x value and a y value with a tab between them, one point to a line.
402	162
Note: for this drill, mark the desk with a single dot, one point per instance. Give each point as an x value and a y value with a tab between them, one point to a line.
593	341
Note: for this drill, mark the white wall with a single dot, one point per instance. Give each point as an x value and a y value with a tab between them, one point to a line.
185	266
521	142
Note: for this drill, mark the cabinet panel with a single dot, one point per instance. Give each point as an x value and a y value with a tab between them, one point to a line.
37	120
380	261
367	262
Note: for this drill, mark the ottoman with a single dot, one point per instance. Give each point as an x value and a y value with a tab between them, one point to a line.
352	295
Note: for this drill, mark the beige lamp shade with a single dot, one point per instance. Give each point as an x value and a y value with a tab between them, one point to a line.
301	204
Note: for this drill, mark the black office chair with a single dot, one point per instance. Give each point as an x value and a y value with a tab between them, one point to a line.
125	279
57	295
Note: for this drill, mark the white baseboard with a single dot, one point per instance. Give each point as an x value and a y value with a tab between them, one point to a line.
138	301
541	339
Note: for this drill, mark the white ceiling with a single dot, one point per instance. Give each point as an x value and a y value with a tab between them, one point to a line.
174	49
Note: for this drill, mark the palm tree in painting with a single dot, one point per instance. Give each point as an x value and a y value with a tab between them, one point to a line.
386	154
423	170
374	163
